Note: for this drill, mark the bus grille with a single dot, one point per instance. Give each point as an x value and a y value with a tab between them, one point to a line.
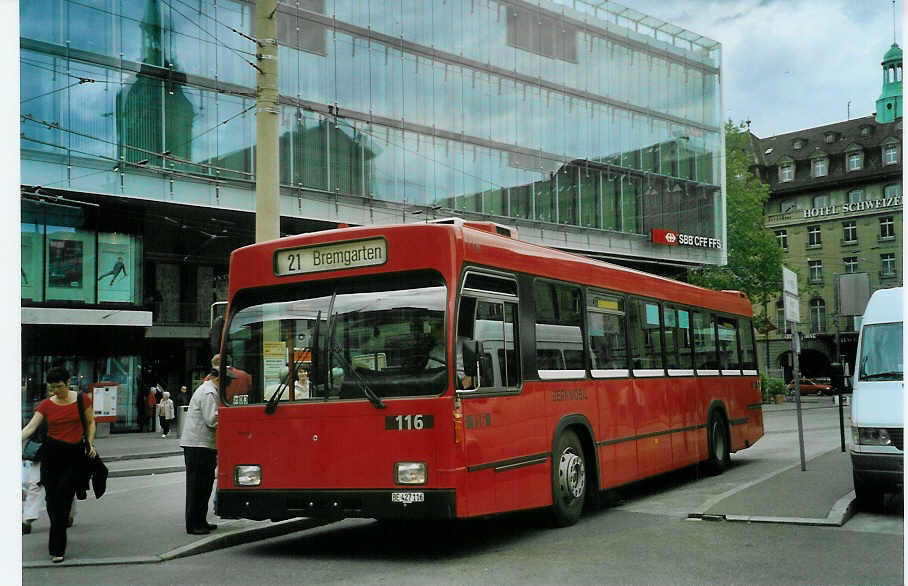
896	434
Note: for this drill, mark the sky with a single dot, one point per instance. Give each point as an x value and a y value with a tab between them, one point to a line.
789	65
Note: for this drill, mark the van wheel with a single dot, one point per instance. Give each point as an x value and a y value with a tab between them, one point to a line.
870	498
568	480
717	437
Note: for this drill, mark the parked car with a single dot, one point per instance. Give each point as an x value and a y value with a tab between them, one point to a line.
811	386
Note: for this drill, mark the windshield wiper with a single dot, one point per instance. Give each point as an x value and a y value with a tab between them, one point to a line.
361	382
891	375
363	385
271	405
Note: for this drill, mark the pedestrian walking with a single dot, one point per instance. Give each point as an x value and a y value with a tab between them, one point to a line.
32	491
150	408
200	453
62	454
166	413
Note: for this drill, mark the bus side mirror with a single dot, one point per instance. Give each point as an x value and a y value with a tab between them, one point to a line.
471	350
215	334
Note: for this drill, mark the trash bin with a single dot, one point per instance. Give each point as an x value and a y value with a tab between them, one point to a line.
184	411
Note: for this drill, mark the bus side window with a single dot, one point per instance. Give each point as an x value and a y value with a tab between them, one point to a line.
607	340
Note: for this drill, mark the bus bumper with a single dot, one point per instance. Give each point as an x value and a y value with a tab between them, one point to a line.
278	505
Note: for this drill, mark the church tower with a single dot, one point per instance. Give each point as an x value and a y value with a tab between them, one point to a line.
889	104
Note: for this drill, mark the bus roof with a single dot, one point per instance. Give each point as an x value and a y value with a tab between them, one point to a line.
420	245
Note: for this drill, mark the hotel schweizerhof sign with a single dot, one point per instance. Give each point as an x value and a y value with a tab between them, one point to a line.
853	207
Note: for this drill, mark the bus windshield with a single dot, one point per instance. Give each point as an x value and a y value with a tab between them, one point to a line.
881	352
344	339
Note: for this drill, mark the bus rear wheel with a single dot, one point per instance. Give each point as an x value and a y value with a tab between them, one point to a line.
569	478
717	434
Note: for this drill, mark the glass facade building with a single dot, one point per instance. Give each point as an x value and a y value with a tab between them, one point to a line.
586	125
601	122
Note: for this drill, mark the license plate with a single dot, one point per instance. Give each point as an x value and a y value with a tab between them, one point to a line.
408	497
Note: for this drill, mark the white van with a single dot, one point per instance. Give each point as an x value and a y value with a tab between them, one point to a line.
877	455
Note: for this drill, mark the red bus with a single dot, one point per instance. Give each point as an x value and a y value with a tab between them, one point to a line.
449	370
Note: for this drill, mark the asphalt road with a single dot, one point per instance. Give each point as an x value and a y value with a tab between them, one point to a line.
641	536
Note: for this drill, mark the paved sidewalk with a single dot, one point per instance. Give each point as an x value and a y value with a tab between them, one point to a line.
821	495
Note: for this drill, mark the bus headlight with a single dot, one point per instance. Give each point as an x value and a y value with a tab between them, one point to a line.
247	475
410	473
870	436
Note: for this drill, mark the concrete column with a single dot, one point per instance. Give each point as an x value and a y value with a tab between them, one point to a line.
267	157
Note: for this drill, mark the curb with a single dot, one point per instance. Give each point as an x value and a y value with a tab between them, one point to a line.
210	543
242	536
149	456
145	471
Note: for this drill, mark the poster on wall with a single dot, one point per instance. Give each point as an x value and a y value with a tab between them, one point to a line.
64	264
115	268
31	273
104	401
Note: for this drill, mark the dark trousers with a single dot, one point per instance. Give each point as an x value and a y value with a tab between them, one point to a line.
200	465
61	473
165	425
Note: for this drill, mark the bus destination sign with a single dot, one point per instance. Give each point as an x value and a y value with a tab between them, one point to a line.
329	257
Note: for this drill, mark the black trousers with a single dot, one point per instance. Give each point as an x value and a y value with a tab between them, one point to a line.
61	473
200	465
165	425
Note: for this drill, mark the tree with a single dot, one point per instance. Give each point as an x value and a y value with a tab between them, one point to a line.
754	256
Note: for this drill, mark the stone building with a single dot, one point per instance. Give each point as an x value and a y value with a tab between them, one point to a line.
836	209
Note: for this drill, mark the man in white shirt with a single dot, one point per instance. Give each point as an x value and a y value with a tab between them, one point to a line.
200	453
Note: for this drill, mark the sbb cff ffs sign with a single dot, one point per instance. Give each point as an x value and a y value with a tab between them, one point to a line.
672	238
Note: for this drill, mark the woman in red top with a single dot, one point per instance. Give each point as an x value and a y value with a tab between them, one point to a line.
61	454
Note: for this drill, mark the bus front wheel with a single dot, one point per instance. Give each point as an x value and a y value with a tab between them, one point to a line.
718	444
568	480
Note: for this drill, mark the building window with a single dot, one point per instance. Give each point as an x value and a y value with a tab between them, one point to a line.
814	236
814	271
782	237
893	190
798	144
851	264
891	154
855	161
786	172
784	326
855	195
866	130
820	201
817	316
830	137
789	205
820	167
887	264
887	227
849	232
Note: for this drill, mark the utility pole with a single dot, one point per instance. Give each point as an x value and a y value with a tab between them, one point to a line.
267	125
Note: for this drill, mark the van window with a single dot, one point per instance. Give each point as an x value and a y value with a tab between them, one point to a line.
881	352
